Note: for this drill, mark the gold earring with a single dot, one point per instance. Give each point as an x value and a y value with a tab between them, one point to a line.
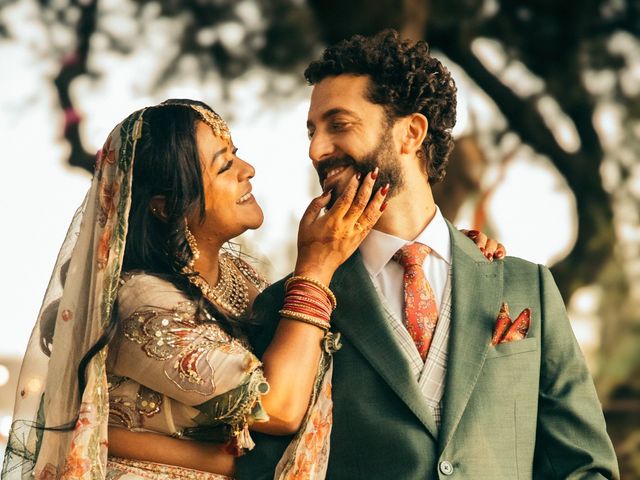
193	246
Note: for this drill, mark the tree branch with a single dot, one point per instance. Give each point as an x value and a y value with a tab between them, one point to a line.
73	66
580	169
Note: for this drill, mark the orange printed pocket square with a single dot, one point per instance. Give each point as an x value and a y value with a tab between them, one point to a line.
506	330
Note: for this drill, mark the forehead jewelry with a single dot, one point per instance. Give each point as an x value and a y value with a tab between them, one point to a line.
215	121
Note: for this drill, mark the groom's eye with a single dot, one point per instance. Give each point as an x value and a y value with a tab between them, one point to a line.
338	126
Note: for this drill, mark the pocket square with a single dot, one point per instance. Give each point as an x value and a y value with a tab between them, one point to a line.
506	330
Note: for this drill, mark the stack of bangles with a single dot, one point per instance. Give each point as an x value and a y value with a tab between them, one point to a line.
309	301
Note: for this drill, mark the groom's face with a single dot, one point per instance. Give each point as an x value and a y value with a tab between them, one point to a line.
350	134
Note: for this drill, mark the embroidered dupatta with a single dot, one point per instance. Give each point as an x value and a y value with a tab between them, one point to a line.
75	311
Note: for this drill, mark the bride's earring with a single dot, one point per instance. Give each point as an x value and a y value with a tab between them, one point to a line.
193	246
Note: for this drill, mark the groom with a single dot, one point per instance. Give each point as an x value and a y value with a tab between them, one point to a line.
418	403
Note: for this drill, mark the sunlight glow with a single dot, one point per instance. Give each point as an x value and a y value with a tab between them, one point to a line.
512	72
560	125
608	123
5	425
4	375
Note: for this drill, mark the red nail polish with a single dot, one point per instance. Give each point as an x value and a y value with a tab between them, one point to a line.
383	206
384	190
490	256
473	233
374	174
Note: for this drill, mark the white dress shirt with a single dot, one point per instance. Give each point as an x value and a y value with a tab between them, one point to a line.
378	249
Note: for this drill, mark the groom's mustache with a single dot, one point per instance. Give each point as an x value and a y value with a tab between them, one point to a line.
329	164
344	161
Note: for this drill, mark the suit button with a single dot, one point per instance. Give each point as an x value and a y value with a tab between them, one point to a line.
445	468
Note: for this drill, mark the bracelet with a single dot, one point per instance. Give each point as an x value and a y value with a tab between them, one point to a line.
292	307
308	302
301	317
320	285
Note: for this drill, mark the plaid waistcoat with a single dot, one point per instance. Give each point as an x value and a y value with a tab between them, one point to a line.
430	374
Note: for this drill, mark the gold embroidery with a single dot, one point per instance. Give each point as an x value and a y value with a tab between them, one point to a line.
122	413
140	469
114	381
211	118
148	401
185	344
129	413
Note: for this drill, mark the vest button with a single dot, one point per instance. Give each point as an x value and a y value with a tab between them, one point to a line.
445	468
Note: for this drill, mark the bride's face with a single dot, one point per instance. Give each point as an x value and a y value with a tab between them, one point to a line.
230	208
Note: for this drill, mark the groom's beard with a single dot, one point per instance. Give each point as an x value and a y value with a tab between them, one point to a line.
382	156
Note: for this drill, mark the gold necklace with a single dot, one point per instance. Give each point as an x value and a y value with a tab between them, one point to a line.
231	292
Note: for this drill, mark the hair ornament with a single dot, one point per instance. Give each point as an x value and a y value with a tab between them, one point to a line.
211	118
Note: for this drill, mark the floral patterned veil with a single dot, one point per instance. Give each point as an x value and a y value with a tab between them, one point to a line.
75	311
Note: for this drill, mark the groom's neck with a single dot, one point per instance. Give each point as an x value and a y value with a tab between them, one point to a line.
409	212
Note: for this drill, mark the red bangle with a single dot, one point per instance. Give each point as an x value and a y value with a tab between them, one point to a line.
308	301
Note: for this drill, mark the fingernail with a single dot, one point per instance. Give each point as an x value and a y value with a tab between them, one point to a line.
384	190
358	176
490	257
383	206
482	250
374	174
473	233
499	254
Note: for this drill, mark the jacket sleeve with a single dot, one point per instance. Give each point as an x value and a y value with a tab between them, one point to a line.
571	440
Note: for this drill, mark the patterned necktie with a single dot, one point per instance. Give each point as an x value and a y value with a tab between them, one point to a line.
420	310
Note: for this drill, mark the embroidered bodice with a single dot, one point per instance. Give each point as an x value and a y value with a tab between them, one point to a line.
175	373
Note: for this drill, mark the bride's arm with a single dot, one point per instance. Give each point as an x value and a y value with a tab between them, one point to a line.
325	241
154	447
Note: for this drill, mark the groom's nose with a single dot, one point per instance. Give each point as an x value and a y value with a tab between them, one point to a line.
321	147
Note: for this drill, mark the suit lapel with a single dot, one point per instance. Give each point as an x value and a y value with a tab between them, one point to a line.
361	318
476	293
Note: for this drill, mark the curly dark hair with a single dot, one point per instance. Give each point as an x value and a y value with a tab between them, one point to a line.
404	79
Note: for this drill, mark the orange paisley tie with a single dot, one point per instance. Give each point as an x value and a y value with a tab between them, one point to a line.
420	310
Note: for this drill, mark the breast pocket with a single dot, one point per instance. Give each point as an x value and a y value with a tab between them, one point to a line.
512	348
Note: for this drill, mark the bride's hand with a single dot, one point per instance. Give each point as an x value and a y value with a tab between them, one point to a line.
326	240
489	247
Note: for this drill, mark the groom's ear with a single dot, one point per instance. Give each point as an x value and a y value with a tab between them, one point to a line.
414	131
157	205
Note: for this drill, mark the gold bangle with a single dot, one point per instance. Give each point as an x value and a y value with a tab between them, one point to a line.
301	317
320	285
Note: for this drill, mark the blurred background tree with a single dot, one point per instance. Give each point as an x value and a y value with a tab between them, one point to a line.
563	75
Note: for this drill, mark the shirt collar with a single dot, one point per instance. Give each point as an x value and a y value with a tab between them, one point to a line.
378	248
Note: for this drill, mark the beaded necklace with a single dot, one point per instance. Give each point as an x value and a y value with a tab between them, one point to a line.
231	292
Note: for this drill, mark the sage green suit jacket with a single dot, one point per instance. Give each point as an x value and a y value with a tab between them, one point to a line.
521	410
